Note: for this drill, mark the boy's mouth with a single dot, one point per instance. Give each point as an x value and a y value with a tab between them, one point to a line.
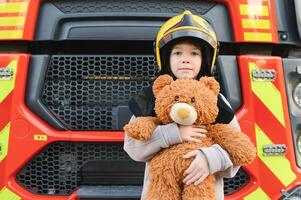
184	68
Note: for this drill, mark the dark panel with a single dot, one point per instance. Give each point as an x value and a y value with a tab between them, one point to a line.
228	76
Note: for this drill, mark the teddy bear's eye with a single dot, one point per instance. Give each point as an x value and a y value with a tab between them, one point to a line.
177	98
192	99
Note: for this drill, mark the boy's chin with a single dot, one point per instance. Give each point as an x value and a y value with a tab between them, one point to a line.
184	75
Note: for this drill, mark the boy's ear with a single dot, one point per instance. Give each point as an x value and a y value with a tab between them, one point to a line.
210	83
161	82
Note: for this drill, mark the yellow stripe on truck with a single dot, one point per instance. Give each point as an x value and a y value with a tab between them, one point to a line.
6	194
279	165
265	91
8	85
12	21
259	37
256	23
13	7
11	34
258	194
4	138
258	10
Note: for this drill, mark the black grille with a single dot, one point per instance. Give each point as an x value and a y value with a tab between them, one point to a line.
87	92
56	170
141	6
232	185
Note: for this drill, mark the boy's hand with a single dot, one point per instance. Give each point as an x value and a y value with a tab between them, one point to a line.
191	133
198	169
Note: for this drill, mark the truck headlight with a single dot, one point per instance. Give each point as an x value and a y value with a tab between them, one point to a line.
297	95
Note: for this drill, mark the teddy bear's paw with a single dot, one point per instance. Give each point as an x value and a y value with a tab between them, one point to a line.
141	128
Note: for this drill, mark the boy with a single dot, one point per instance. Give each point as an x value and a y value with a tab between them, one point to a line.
186	47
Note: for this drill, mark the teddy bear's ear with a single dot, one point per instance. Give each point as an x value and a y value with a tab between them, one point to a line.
161	82
211	83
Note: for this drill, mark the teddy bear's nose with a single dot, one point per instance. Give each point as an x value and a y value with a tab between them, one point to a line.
183	113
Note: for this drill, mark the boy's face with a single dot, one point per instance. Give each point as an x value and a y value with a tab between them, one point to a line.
185	60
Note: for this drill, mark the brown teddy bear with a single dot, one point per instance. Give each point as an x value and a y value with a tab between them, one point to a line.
187	102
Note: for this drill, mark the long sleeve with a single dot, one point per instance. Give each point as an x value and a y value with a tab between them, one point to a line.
162	137
219	161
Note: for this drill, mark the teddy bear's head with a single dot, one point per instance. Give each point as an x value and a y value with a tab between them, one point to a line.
186	101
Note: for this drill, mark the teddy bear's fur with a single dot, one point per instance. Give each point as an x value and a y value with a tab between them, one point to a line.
168	165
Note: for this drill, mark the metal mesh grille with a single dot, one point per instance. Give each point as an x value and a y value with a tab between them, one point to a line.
55	170
86	92
232	185
141	6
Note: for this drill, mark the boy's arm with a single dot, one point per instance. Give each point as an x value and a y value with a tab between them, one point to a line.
162	137
219	161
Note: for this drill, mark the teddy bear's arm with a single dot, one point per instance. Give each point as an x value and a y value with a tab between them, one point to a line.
235	142
141	128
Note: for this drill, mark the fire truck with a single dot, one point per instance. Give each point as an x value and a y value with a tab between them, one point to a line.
69	67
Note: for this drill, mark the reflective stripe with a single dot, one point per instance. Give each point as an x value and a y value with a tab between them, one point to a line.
258	194
256	23
12	21
8	85
258	10
6	194
11	34
4	137
257	36
265	91
279	165
13	7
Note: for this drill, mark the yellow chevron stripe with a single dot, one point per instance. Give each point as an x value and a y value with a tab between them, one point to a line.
4	136
11	34
252	10
265	91
6	194
12	21
13	7
256	23
257	194
8	85
279	165
257	36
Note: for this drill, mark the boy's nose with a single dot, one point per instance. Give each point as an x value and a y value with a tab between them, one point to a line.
186	60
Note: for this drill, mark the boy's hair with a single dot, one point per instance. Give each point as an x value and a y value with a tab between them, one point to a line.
166	52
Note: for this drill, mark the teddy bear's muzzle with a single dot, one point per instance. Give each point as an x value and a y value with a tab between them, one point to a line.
183	113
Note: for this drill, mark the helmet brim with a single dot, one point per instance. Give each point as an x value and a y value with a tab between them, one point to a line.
188	33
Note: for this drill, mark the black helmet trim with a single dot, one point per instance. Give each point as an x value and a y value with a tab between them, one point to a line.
188	33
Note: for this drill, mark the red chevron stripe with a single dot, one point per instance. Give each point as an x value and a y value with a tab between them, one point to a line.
11	28
254	2
10	1
5	107
268	181
257	30
11	14
2	175
4	62
268	123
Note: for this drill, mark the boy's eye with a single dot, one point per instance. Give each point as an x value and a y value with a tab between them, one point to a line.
177	52
196	53
192	99
177	98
